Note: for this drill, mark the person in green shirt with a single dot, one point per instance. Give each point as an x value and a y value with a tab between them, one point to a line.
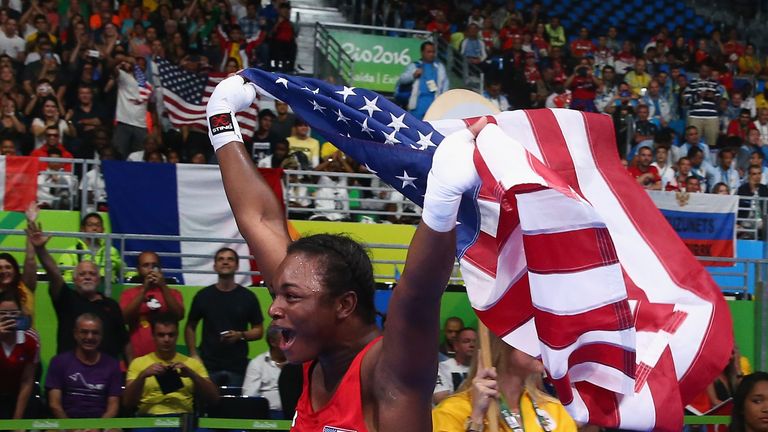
91	223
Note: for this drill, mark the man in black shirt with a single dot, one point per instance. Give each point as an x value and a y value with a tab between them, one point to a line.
227	309
84	298
264	140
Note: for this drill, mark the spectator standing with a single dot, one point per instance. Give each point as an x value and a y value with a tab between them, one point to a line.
583	86
583	45
150	298
165	382
84	383
701	96
451	372
427	79
555	32
51	118
750	208
701	168
659	107
86	116
282	46
11	43
85	298
93	248
132	100
645	128
18	359
263	374
227	309
278	156
472	47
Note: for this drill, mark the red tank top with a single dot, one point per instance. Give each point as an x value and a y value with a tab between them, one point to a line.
344	412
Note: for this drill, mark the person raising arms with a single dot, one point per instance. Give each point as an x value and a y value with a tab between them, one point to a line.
356	377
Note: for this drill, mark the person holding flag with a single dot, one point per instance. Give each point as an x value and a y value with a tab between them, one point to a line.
356	377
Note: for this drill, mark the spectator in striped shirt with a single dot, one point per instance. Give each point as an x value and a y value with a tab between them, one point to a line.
702	96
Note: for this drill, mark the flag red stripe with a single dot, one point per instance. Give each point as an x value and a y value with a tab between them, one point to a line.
554	149
20	182
602	404
483	254
512	310
569	251
666	245
560	331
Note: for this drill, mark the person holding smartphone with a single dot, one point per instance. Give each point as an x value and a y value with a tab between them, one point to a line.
18	358
141	302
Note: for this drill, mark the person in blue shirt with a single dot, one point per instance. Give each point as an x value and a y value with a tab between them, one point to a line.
427	79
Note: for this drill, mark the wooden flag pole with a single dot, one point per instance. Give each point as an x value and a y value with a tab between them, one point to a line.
485	361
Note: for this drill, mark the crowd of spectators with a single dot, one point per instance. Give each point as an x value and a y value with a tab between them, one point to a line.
669	91
78	77
122	356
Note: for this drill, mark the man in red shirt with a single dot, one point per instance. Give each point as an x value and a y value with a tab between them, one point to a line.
151	297
646	174
18	359
582	46
52	141
740	126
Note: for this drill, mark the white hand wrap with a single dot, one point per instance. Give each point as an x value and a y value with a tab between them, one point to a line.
230	96
453	173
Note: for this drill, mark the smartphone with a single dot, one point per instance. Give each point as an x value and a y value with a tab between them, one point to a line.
23	322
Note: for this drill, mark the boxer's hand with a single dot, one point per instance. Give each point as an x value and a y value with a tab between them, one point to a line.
453	173
231	95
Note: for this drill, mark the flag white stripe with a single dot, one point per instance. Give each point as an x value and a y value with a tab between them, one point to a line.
516	124
636	410
204	185
557	359
489	216
525	338
506	158
576	292
601	375
550	211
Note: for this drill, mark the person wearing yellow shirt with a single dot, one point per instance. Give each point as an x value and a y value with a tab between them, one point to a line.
165	382
638	78
516	385
749	63
301	141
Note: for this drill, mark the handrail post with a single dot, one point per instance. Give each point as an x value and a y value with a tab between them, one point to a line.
108	265
84	191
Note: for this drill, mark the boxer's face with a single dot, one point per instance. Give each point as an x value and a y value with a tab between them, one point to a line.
302	311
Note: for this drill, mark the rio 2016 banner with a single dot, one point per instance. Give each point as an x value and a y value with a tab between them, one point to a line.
379	60
705	222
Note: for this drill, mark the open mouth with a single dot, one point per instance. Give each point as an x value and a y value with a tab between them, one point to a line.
287	337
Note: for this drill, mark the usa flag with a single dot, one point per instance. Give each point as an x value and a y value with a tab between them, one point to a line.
145	88
564	255
185	95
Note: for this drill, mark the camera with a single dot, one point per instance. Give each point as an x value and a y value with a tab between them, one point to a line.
581	71
625	94
93	54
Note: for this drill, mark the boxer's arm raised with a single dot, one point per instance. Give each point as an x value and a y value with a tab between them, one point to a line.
259	215
407	365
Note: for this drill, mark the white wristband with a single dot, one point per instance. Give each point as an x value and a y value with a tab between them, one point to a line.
223	129
441	205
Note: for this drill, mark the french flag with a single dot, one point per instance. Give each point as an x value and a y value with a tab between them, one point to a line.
18	182
178	200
